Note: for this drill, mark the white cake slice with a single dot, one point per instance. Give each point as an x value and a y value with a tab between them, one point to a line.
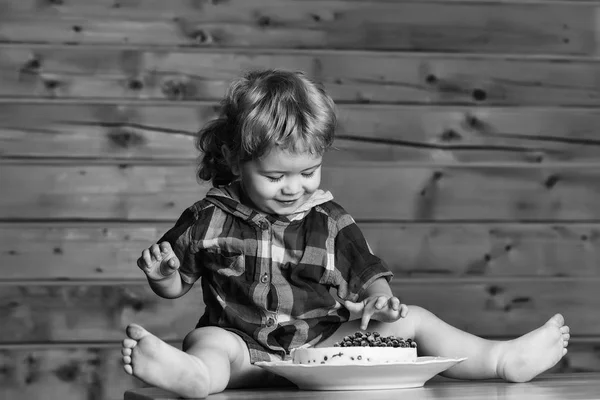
359	348
353	355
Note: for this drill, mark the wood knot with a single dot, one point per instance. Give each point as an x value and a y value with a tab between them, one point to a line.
361	98
68	372
473	122
32	66
494	290
130	299
431	79
535	156
201	37
551	181
125	139
178	89
264	21
479	94
521	300
450	135
135	84
52	84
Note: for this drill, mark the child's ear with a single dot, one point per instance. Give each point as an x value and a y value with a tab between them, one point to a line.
233	164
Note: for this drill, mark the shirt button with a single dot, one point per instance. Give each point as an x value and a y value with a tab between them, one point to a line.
264	278
264	225
270	322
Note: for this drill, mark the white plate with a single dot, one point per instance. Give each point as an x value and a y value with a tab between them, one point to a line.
361	377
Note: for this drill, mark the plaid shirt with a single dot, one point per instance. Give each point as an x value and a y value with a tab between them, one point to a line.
268	278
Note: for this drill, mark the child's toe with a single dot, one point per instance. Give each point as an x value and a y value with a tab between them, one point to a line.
135	331
128	369
557	320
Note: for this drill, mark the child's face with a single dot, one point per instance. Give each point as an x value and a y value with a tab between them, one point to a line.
280	182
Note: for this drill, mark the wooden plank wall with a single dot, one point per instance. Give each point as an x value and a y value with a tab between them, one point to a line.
473	124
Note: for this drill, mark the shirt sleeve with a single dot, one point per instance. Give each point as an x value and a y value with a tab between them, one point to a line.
356	266
181	236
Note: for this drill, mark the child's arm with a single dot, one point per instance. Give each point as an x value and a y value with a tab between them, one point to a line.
161	266
377	303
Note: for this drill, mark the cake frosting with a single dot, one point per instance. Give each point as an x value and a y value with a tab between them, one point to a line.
353	355
359	348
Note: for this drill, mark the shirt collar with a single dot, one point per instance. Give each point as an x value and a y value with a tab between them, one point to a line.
229	198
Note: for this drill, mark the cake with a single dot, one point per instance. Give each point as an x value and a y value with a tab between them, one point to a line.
359	348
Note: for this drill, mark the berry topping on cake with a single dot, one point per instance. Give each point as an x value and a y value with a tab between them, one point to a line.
374	339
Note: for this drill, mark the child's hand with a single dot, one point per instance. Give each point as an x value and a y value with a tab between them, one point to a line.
380	308
159	261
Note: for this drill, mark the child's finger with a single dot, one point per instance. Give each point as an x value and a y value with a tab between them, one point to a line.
395	303
165	248
380	302
155	250
403	310
366	317
169	266
146	258
173	262
355	309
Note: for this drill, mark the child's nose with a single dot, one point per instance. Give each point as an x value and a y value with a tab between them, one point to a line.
292	187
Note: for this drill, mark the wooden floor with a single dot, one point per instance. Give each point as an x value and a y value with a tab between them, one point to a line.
548	387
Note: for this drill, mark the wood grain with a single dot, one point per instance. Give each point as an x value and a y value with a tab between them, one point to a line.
412	134
92	312
84	72
550	387
99	311
64	372
158	192
98	251
546	28
473	123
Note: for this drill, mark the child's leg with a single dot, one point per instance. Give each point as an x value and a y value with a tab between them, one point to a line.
515	360
213	359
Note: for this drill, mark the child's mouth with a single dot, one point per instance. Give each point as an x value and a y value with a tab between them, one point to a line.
287	202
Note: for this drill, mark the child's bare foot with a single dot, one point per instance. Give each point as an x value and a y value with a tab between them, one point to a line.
526	357
159	364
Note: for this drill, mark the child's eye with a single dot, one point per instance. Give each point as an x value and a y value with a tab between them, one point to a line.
273	179
309	174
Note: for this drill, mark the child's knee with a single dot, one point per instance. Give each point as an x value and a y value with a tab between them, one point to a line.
210	337
416	311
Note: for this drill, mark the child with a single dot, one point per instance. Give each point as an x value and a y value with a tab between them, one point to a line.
282	265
